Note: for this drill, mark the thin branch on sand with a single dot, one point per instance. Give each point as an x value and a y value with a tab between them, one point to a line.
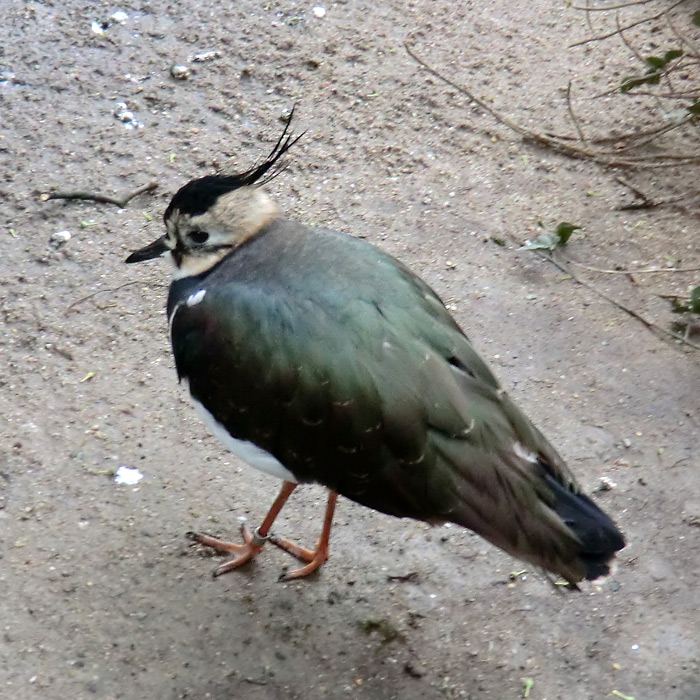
100	198
650	325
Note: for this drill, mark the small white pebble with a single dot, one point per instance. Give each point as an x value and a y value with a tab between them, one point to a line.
127	476
119	16
127	117
180	72
205	56
606	484
319	11
60	238
97	28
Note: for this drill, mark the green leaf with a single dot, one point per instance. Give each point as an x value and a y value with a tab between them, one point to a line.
695	300
694	108
696	18
564	231
657	66
656	62
692	306
551	241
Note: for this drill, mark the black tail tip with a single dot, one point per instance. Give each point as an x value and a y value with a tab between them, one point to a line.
599	536
599	565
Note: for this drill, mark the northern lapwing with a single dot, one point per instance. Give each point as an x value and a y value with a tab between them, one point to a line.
316	357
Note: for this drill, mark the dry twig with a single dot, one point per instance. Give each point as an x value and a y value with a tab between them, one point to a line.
650	325
101	198
631	25
647	271
73	304
611	7
694	50
558	144
572	113
646	201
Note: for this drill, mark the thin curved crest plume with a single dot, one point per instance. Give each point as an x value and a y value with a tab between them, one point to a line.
271	167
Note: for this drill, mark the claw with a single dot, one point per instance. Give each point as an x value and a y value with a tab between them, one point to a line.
253	542
301	553
312	558
243	552
317	558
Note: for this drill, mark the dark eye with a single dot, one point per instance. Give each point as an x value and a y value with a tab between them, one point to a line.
198	237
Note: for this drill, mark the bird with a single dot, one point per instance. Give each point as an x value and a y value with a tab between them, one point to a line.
316	357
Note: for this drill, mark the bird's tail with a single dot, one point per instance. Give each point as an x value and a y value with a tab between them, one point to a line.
598	535
535	513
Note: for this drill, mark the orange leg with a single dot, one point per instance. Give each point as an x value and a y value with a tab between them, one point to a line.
252	542
313	558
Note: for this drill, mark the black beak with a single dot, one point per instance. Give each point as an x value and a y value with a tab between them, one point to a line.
152	250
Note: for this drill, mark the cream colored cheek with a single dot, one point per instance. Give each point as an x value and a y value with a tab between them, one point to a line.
195	265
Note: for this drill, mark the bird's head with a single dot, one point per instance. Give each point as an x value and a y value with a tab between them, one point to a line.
212	215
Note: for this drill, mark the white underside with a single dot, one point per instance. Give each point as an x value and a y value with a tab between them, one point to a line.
243	449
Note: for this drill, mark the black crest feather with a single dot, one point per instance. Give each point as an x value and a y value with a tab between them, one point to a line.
199	195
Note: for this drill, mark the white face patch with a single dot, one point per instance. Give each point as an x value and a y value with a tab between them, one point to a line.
234	218
195	298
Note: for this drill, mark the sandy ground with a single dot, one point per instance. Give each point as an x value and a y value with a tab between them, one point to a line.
101	596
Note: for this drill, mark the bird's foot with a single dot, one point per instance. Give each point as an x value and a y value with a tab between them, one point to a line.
313	558
252	545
